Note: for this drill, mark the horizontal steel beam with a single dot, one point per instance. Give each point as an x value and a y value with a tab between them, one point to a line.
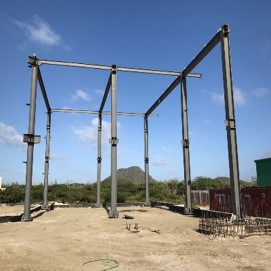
81	111
205	51
106	67
73	64
158	72
164	95
43	91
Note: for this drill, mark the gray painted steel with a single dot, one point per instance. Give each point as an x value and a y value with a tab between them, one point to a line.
106	67
113	213
230	121
99	158
223	37
43	91
146	160
30	145
99	162
186	152
156	72
107	89
202	54
73	64
47	160
163	96
72	111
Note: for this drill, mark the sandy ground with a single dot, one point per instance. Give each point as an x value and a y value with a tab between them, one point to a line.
77	238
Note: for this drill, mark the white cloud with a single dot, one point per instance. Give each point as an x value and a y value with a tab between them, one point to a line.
59	157
167	149
239	97
99	92
9	136
261	92
158	160
39	31
80	95
218	97
215	97
88	134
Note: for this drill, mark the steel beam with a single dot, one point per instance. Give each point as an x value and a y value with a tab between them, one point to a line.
30	145
146	160
43	91
47	160
99	162
164	95
106	67
156	72
107	89
73	64
205	51
72	111
186	152
230	121
113	213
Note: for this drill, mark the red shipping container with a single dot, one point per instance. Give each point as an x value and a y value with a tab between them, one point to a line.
255	201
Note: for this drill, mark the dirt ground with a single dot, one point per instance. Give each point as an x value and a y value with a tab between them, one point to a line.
86	239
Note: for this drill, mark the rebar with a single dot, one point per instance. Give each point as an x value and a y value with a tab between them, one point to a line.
224	227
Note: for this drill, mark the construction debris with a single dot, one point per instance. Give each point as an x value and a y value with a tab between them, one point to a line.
134	230
154	230
128	217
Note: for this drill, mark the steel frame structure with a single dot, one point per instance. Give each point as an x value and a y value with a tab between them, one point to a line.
222	37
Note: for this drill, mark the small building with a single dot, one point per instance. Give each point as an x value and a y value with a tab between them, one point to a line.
263	168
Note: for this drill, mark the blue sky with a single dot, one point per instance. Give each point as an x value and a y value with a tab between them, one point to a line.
153	34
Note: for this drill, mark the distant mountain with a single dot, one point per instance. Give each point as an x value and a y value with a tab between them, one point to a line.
131	174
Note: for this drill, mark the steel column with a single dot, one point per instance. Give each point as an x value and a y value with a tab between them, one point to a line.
146	160
185	143
230	121
113	213
99	162
47	159
30	145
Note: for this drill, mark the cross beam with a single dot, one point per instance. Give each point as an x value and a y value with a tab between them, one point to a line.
118	68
